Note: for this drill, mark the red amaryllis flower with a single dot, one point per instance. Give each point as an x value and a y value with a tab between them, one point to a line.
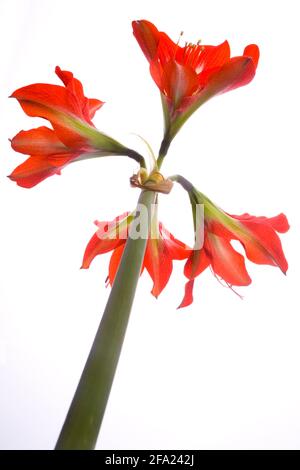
73	136
257	236
162	248
190	75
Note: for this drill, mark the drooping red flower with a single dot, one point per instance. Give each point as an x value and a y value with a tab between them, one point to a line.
257	236
190	75
73	135
161	249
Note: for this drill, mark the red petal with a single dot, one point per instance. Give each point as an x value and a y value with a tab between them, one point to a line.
40	141
175	247
88	106
204	57
147	35
42	100
263	245
217	228
177	82
157	74
238	72
109	236
226	262
94	105
198	261
52	102
188	295
158	263
60	105
72	84
215	56
39	167
96	247
278	222
166	50
252	51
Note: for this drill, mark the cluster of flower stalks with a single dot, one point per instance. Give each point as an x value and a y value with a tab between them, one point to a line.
187	75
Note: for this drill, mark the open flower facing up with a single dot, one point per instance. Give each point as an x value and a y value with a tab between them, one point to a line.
73	136
257	236
190	75
161	249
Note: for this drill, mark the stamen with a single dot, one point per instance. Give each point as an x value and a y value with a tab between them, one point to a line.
180	36
187	52
177	44
219	279
196	56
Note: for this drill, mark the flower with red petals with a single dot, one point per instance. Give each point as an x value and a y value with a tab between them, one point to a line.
161	249
190	75
257	235
73	136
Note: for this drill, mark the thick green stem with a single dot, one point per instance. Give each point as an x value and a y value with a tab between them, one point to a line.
83	421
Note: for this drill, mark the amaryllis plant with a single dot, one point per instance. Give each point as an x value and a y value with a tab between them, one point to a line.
187	76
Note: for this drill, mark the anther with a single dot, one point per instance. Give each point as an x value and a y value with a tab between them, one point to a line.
180	36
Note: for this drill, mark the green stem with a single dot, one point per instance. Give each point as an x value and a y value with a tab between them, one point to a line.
83	421
163	150
186	184
136	156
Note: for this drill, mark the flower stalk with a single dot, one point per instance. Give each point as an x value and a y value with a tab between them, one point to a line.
83	421
163	150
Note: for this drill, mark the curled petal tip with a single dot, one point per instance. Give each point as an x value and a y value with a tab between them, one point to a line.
138	22
252	51
147	35
183	305
188	295
155	294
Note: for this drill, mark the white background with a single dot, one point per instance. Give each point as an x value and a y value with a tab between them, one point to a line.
221	374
